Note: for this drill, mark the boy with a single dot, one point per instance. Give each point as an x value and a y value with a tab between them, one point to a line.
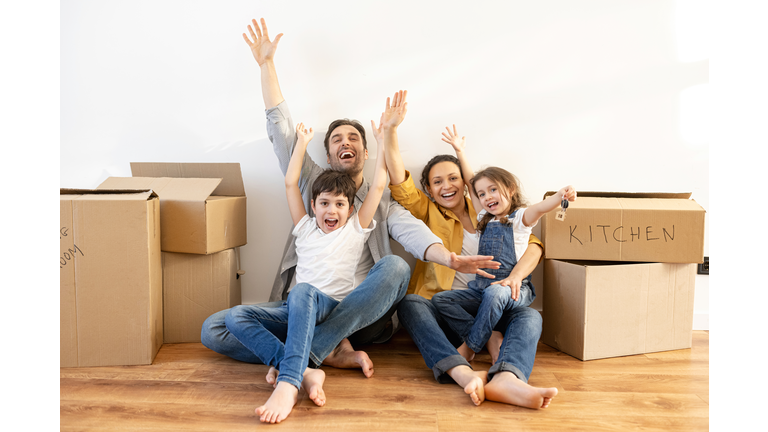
328	248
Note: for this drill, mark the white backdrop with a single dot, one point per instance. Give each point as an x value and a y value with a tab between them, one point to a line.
606	95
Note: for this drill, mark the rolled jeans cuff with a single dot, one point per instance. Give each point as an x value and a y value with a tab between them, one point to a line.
443	366
502	366
289	380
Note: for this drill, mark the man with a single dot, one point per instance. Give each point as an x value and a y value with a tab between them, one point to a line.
381	277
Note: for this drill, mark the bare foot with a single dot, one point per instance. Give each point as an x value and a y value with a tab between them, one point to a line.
272	376
466	352
280	404
345	357
505	387
472	382
494	345
313	385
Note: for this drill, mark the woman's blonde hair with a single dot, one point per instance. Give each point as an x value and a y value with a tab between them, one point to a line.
509	187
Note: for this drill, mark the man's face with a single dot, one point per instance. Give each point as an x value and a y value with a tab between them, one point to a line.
345	150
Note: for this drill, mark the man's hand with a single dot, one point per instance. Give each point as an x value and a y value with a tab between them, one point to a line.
452	138
473	264
514	283
394	114
262	48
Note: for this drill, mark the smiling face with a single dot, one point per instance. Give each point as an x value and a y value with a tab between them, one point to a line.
331	211
494	198
446	185
346	150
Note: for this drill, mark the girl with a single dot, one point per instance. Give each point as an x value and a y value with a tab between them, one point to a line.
505	226
448	212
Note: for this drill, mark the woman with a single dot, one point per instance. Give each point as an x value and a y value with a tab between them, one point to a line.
453	218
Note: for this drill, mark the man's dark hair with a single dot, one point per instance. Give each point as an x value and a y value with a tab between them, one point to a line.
344	122
336	183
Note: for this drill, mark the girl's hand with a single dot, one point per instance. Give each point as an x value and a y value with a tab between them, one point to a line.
568	193
514	283
304	136
377	130
453	139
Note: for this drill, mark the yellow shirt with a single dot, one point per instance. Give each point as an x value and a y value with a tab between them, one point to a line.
429	278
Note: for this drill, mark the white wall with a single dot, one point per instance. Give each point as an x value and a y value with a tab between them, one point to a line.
605	95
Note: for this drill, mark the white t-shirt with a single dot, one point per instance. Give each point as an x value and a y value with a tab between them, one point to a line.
329	261
522	232
468	248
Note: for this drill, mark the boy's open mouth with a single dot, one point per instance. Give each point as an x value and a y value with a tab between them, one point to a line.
331	223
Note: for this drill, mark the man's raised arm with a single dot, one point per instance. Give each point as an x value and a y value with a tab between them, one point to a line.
263	51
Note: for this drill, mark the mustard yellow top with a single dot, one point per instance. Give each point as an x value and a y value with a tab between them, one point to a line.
429	278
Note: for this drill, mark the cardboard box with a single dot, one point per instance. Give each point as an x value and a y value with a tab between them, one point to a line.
639	227
194	288
111	281
596	310
202	205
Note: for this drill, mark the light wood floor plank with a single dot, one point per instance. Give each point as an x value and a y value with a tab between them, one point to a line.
189	387
523	422
169	417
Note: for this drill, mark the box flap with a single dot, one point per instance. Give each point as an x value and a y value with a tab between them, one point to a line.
177	189
140	193
229	173
666	195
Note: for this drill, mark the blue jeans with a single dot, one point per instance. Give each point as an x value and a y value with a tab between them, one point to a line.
472	313
362	316
437	342
306	306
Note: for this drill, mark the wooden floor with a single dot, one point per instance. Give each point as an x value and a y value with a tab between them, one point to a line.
189	387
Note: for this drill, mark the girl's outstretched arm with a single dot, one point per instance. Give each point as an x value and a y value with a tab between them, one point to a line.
293	172
458	144
535	212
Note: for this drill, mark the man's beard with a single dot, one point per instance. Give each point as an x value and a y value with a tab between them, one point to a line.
350	170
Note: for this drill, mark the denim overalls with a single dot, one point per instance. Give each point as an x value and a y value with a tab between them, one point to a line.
474	312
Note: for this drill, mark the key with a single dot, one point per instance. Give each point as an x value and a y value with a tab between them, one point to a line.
563	207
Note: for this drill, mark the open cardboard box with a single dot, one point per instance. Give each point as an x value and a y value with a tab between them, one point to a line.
625	226
202	205
110	279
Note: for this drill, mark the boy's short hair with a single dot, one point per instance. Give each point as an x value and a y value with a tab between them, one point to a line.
344	122
335	182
